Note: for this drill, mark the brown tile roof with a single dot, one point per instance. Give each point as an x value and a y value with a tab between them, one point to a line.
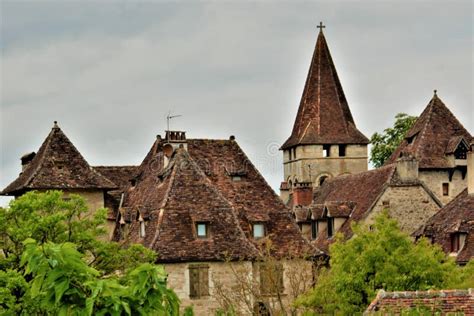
362	190
120	175
437	301
456	216
58	165
196	186
432	136
323	116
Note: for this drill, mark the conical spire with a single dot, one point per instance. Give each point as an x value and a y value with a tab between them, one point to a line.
323	116
58	165
431	136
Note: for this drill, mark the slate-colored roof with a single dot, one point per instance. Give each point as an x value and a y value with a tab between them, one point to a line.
323	116
361	190
456	216
119	175
433	136
196	186
58	165
445	302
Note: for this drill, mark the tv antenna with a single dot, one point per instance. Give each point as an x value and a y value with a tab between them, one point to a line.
169	117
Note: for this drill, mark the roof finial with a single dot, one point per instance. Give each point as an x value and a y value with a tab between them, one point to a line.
55	124
435	91
321	26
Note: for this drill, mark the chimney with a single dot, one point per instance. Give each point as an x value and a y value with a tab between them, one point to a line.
470	169
173	140
26	159
302	194
407	168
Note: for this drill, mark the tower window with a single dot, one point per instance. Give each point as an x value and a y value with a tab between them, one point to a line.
294	153
326	150
445	189
322	179
342	150
289	154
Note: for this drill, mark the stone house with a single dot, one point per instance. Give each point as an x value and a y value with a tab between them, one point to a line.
206	210
325	141
453	226
342	200
58	165
440	143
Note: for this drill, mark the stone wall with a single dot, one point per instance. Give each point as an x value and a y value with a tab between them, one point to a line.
354	161
228	277
434	180
411	205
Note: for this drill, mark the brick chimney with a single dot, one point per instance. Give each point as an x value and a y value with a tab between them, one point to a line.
470	170
407	168
302	194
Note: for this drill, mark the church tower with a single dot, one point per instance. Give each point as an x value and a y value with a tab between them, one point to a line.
324	142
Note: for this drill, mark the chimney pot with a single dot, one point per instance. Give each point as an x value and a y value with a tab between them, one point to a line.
407	168
302	194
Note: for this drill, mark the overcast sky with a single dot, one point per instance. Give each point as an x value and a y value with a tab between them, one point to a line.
110	71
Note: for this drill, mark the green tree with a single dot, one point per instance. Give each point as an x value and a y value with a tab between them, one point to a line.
56	261
379	257
384	144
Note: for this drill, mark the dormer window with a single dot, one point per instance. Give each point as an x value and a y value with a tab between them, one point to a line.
314	229
330	227
202	230
258	230
461	152
142	226
236	178
457	241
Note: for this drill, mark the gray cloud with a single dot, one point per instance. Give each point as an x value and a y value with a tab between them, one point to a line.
109	72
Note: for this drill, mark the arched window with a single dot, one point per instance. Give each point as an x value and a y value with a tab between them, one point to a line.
322	179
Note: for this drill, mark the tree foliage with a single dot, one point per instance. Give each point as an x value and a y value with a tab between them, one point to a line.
55	261
384	144
379	257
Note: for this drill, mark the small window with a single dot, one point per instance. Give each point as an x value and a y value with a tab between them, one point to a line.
198	281
314	229
445	189
322	179
236	178
289	154
330	227
271	278
326	150
457	241
342	150
294	153
142	229
461	152
202	230
258	230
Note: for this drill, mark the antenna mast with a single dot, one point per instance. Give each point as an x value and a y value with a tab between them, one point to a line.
169	117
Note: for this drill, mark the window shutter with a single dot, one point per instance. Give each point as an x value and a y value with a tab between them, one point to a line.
204	281
193	282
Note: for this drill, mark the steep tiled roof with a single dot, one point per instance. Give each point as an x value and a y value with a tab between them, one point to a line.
120	175
58	165
362	190
323	116
432	136
456	216
443	301
196	186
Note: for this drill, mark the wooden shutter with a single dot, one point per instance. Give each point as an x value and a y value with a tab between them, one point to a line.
193	282
203	281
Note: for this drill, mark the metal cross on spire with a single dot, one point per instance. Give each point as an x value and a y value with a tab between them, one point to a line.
321	26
